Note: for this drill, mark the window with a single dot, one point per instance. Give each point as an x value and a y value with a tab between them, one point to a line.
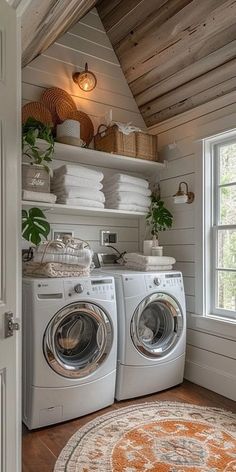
220	231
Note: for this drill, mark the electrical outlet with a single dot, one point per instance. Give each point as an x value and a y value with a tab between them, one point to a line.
108	238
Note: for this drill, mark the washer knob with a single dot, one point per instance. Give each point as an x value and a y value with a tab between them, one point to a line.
78	288
157	281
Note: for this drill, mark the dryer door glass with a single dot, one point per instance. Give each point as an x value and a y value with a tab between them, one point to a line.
78	340
156	325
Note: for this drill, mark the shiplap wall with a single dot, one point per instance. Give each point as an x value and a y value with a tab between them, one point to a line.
87	42
211	345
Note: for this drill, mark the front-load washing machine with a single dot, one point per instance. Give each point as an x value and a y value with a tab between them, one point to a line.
151	331
69	348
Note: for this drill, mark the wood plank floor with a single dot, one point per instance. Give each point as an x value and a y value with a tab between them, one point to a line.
42	447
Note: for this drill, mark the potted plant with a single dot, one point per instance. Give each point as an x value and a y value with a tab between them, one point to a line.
158	219
35	226
36	170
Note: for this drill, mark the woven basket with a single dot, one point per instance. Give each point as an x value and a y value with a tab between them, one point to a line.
114	141
146	146
38	111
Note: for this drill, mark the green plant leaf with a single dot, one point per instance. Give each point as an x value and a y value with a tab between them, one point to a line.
34	225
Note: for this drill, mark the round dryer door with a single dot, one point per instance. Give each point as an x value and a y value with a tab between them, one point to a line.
156	325
78	339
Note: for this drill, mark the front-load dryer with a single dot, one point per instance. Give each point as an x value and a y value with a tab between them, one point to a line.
69	348
151	331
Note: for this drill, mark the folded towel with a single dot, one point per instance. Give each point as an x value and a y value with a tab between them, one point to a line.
157	268
38	196
81	202
127	207
125	178
81	192
128	197
71	180
125	187
78	171
148	260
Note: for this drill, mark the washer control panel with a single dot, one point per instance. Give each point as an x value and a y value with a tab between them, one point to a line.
94	288
163	281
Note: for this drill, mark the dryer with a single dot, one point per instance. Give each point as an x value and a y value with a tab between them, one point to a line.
69	348
151	331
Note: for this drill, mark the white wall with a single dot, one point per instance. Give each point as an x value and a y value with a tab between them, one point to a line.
211	350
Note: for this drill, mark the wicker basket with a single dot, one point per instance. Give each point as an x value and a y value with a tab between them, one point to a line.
146	146
114	141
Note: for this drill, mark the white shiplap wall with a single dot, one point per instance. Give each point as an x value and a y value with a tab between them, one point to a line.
87	42
211	345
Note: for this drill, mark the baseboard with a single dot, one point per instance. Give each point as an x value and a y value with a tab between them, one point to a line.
213	379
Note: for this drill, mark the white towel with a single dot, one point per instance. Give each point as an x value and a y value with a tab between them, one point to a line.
127	207
137	258
80	202
125	187
128	197
157	268
125	178
38	196
71	180
78	171
77	192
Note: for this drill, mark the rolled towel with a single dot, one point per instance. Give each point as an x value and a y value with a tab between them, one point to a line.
77	192
125	178
78	171
127	207
128	197
71	180
148	260
80	202
125	187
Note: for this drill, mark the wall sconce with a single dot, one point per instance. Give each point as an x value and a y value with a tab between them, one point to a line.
183	196
86	80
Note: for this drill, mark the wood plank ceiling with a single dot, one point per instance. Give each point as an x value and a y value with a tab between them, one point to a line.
175	54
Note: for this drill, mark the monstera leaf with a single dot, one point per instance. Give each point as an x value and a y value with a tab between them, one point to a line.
34	225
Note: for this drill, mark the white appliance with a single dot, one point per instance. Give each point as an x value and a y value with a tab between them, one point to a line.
151	331
69	348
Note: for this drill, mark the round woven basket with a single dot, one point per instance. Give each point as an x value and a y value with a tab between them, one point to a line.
38	111
52	97
86	125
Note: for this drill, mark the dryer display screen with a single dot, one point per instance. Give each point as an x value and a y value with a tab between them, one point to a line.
101	282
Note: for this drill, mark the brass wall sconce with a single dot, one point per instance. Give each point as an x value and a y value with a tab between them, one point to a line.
183	196
86	79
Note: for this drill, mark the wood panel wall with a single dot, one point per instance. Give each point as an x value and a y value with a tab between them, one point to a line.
211	345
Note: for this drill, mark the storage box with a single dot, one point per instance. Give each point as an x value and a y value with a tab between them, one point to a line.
114	141
146	146
35	178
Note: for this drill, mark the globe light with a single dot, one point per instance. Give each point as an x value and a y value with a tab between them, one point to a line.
86	80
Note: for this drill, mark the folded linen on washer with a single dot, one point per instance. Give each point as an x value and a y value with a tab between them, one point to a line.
127	207
128	197
125	178
81	192
78	171
80	202
148	268
127	187
137	258
39	196
71	180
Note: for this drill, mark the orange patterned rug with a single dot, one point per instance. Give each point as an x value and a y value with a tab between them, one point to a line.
154	437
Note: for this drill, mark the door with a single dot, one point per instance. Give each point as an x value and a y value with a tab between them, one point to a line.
10	398
78	340
157	325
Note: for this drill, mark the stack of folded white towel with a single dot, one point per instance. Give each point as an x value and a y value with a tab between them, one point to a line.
78	185
143	263
125	192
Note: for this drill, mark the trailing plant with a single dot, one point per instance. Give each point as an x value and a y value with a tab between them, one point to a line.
158	217
34	225
31	131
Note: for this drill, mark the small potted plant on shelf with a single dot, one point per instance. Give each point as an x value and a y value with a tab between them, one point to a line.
36	159
158	219
35	226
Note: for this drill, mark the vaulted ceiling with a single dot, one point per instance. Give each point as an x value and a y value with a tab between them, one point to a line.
175	54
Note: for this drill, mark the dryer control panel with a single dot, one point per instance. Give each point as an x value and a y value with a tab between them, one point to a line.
164	281
93	288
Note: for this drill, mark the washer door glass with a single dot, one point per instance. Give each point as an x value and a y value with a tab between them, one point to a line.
78	339
156	325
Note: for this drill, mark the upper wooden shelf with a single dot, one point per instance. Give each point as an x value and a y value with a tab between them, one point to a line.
79	155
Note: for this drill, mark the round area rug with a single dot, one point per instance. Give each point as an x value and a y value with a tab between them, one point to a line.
154	437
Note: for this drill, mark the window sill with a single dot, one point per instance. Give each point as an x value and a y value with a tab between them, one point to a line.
214	325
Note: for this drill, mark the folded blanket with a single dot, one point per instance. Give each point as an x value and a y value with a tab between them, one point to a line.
125	178
148	260
71	180
127	207
128	197
78	171
81	202
127	187
139	267
38	196
81	192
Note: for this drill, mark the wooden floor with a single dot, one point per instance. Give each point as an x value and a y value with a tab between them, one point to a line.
41	447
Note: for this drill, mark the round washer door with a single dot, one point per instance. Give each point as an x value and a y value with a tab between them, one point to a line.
78	339
156	325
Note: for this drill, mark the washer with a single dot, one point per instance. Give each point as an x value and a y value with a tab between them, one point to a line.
151	331
69	348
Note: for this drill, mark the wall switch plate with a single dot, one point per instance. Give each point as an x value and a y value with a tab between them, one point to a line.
107	238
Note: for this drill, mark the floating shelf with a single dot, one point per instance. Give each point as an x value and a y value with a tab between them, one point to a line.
79	211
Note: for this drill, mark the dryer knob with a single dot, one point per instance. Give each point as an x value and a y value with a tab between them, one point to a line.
78	288
157	281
